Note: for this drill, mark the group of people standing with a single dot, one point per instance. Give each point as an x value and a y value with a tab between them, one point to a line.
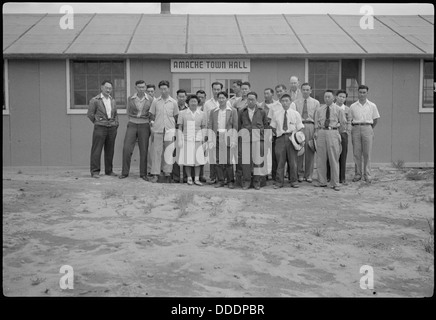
241	137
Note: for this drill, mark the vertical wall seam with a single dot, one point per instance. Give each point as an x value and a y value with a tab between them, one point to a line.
187	34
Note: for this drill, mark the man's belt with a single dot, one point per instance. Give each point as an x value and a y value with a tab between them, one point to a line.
330	128
361	124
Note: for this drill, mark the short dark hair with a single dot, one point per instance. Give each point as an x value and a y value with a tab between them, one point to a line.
216	82
328	90
139	82
106	81
201	91
342	91
270	90
246	83
223	93
192	96
286	96
238	82
151	86
306	84
362	86
252	93
164	83
181	91
280	86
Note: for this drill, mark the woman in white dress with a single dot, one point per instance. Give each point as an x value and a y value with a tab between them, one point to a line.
191	121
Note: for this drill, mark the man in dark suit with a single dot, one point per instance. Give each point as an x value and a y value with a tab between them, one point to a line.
252	122
102	112
222	138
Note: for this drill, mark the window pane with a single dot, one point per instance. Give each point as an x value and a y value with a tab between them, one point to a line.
118	68
185	84
79	67
79	82
92	67
320	67
332	81
428	68
105	67
333	67
80	98
92	82
90	95
320	81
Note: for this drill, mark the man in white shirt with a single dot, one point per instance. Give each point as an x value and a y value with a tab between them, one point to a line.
364	116
164	112
283	122
294	90
102	112
306	107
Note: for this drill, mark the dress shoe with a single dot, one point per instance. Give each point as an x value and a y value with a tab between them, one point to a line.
309	180
154	179
336	188
122	176
112	174
300	179
257	187
198	183
219	184
320	185
212	181
189	181
203	179
231	185
245	186
145	178
294	185
278	186
343	183
95	175
355	179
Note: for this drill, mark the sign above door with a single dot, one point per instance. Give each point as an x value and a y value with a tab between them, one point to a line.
210	65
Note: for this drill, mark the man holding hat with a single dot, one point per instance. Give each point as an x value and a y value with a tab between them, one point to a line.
306	107
328	119
285	123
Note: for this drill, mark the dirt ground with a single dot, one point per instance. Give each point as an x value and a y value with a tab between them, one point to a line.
131	238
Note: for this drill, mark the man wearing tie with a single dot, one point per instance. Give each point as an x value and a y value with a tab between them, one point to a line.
306	107
283	122
329	118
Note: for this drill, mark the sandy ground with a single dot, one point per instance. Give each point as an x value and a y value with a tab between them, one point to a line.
132	238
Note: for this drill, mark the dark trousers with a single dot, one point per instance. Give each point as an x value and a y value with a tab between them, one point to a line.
142	133
248	168
342	158
103	137
224	170
285	153
274	159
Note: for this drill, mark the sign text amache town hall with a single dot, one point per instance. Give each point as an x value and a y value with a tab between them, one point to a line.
210	65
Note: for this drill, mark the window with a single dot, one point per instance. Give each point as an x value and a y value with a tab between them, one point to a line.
428	86
323	75
334	75
192	85
5	88
86	78
228	86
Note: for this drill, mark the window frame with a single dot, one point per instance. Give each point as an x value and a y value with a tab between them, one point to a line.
69	77
421	88
6	111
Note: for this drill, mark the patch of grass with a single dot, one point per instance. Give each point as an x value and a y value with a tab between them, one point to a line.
431	226
19	172
216	207
148	207
429	245
398	164
319	232
404	205
110	193
36	281
182	201
414	175
238	222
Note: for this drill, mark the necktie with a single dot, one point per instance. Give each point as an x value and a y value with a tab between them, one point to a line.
327	117
285	122
305	115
